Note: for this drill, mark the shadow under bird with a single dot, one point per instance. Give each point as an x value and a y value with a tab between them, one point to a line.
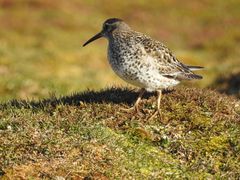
142	61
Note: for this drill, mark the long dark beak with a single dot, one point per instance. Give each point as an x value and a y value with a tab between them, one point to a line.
97	36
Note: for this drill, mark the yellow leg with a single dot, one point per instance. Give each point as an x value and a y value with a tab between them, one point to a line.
158	111
138	99
159	101
135	107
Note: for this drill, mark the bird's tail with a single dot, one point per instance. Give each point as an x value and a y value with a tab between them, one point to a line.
194	76
195	68
187	74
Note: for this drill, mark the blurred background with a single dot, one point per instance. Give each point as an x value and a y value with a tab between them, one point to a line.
41	42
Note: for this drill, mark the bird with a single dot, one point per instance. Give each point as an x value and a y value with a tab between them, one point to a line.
142	61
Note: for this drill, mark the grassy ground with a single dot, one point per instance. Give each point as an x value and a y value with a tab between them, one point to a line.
40	49
86	135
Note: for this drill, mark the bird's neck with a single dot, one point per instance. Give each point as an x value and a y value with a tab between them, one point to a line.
120	36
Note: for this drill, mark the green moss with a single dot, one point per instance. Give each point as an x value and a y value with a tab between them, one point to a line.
88	135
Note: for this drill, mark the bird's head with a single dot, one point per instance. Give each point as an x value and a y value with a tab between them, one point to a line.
108	27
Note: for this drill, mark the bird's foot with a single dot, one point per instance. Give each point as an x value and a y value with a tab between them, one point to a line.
131	109
134	109
157	112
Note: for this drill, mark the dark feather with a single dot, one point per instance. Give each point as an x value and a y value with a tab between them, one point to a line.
195	68
183	76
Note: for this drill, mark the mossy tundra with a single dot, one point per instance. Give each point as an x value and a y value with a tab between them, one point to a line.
86	135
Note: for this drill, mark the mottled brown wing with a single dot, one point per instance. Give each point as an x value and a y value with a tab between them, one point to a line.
167	63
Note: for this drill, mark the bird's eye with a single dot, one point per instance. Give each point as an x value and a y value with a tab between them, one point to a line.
107	25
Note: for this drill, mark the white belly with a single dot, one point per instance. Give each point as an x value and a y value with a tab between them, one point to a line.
150	80
145	75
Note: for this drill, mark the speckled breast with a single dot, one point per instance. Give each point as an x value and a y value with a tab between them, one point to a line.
125	61
134	66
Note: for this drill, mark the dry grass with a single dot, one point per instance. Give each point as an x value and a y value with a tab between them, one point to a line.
87	135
